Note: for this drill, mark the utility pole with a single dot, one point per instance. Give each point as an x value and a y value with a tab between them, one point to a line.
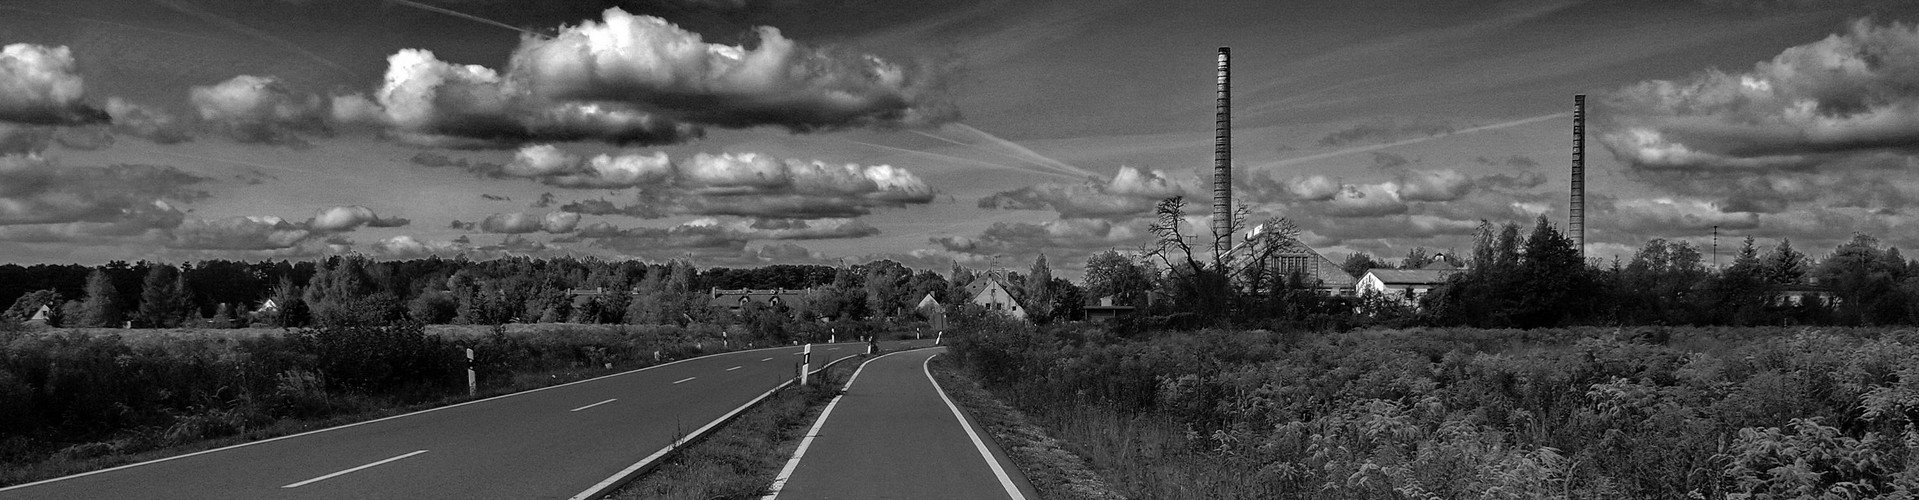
1715	247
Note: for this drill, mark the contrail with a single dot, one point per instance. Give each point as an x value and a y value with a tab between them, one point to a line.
466	16
965	160
111	23
1376	147
203	15
1008	148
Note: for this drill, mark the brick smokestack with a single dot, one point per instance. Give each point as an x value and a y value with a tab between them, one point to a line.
1223	158
1576	226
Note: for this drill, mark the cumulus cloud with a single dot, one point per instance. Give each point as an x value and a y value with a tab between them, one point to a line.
739	184
647	61
349	217
720	239
145	122
638	80
1848	93
259	109
39	86
1434	185
522	223
1131	193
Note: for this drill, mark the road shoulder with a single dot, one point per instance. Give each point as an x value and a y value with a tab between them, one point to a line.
1052	471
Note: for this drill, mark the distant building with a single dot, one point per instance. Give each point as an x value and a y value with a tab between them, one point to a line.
1405	284
933	311
1314	270
41	316
989	292
1801	294
1106	308
737	300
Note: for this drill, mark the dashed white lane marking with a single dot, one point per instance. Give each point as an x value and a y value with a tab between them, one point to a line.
595	404
1005	481
733	368
685	379
765	360
349	471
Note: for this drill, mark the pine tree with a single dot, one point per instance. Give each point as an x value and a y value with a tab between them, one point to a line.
161	301
102	307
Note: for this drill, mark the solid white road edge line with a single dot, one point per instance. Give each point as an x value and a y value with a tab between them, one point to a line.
595	404
765	360
733	368
606	485
1005	481
350	471
364	422
807	442
683	380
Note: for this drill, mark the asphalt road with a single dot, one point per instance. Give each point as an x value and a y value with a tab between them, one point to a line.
893	435
550	443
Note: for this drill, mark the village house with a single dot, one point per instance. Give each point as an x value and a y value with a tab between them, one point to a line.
989	292
772	298
1407	285
1106	308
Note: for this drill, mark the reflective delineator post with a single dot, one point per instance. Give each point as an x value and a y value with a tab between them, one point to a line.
472	382
806	362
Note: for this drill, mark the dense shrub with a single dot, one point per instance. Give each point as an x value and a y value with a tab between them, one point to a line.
1463	413
80	394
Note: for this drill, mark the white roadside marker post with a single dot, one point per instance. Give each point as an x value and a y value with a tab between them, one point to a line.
806	362
938	336
472	382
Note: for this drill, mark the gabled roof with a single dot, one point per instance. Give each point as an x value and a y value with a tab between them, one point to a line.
1411	276
735	298
1323	269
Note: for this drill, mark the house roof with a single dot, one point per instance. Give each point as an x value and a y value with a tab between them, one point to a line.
1411	276
1323	269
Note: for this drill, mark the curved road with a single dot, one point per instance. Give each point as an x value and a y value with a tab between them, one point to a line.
894	434
556	442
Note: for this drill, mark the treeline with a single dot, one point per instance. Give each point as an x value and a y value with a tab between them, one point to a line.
1533	279
362	291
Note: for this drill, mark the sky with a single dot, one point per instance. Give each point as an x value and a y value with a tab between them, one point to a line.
750	132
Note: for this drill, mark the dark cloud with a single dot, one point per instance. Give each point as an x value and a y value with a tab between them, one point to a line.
38	191
239	233
1385	130
16	139
463	226
546	200
494	197
1388	161
147	123
1071	235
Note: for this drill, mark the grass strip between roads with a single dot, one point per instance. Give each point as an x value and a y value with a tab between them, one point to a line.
741	458
1054	472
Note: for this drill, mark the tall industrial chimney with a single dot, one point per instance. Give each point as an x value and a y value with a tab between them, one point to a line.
1576	228
1223	159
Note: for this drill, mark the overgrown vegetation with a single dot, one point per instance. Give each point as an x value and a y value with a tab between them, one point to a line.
1467	413
85	399
742	458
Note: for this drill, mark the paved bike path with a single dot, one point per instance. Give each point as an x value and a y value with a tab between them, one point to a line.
893	434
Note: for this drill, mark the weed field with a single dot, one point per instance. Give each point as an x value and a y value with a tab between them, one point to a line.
1466	413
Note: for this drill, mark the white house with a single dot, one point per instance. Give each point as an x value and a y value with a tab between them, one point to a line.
1403	284
988	292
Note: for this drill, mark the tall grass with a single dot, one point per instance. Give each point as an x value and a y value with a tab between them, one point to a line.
1449	413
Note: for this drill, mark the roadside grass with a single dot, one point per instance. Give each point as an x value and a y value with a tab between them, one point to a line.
1055	471
740	459
245	416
